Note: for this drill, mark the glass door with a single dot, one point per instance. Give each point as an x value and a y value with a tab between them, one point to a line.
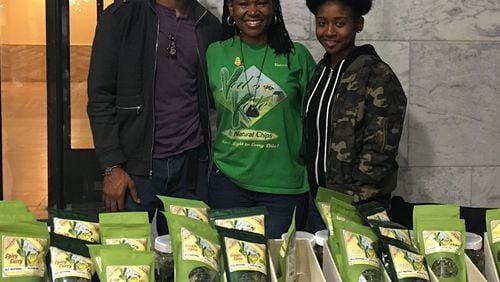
74	178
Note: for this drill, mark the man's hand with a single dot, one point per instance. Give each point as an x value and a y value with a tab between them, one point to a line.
115	187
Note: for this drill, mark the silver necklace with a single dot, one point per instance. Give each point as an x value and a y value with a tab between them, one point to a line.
252	110
171	37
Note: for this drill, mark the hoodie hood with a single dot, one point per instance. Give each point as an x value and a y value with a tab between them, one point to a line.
357	51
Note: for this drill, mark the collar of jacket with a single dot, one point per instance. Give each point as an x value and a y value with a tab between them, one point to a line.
195	11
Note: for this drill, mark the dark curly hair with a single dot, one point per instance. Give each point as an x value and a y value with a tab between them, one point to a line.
277	36
358	7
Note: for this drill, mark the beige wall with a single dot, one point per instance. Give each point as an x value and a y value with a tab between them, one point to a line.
22	22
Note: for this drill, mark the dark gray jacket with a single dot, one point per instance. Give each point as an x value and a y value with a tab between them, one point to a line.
121	81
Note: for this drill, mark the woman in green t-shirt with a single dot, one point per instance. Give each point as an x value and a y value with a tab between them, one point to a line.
258	78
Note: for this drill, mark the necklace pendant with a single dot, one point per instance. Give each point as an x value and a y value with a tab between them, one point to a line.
172	48
252	111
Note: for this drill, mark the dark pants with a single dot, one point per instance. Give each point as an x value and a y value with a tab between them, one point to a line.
180	176
224	194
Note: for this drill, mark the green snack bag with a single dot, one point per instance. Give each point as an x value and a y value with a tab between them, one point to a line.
344	211
95	256
127	265
69	259
493	233
391	230
372	211
341	208
245	255
245	219
340	212
17	217
136	236
358	260
186	207
14	206
434	211
324	195
196	249
24	246
74	225
442	242
119	218
324	212
130	228
287	271
403	262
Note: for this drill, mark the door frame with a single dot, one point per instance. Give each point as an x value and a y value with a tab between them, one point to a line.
74	175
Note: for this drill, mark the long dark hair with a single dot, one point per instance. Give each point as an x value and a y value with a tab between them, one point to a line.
277	35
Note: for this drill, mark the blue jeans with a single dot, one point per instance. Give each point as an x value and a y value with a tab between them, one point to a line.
181	176
224	194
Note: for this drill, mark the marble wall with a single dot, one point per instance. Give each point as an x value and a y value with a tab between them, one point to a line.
447	56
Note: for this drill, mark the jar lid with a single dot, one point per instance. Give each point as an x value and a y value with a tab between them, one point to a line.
321	236
163	244
303	235
473	241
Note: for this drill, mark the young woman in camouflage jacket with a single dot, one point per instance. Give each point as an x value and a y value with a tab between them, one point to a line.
354	109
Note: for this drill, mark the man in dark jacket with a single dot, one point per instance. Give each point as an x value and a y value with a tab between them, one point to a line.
148	101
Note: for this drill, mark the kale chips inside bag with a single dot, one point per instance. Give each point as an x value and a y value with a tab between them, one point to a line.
402	262
130	228
24	247
493	233
245	219
186	207
358	259
69	259
442	242
287	271
245	255
74	225
196	249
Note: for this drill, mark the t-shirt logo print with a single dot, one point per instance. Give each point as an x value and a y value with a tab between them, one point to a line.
264	94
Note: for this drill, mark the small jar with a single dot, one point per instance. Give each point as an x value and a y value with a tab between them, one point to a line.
321	237
164	259
474	249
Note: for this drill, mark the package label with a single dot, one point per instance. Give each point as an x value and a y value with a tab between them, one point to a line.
23	256
245	256
199	249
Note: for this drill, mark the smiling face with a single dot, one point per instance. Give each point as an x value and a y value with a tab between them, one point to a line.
336	28
253	18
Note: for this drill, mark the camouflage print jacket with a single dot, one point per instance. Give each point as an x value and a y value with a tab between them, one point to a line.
364	126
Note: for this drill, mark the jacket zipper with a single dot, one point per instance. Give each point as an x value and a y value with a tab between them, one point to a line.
137	108
209	133
327	125
153	96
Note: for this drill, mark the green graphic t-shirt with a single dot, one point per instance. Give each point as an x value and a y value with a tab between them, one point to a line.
259	128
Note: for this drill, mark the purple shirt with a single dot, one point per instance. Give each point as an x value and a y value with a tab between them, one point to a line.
177	121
